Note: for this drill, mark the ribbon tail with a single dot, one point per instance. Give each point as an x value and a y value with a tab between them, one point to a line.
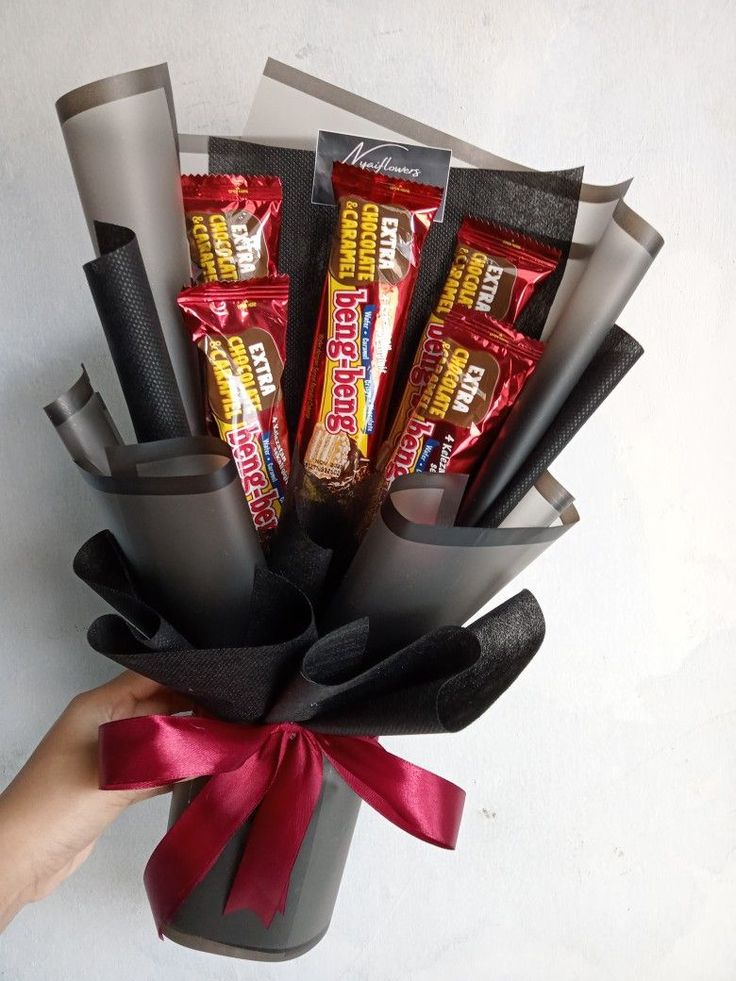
156	750
193	844
278	830
416	800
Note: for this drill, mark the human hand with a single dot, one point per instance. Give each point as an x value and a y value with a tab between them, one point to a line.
53	812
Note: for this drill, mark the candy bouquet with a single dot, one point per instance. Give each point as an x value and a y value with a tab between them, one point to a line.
346	382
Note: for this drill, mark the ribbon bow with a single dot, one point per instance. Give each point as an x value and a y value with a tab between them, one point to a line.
275	768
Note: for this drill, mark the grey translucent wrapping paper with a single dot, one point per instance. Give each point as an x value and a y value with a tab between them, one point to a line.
545	503
333	683
84	425
127	311
120	133
416	570
177	509
290	107
313	889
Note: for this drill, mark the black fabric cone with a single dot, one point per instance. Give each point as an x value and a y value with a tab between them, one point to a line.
614	359
441	682
101	564
331	688
127	311
294	553
237	684
449	678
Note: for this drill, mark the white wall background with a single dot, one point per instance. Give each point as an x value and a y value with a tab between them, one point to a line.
599	839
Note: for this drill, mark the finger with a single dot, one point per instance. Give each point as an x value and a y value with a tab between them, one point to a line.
130	694
163	702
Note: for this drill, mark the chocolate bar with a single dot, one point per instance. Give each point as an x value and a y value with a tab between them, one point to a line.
240	329
382	225
494	271
233	225
481	368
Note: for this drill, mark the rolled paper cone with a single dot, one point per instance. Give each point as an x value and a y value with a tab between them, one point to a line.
416	570
544	504
613	360
178	511
127	311
615	269
120	133
84	425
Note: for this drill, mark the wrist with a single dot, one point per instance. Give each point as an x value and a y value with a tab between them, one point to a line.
17	878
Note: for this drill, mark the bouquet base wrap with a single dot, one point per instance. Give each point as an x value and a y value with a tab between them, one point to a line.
270	771
315	881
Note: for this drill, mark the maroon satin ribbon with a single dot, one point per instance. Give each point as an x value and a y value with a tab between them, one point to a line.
275	768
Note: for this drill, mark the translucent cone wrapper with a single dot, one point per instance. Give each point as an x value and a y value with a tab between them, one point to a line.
121	136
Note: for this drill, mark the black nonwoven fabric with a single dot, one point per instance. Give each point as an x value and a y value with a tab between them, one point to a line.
122	294
294	553
335	683
440	683
234	683
543	205
615	357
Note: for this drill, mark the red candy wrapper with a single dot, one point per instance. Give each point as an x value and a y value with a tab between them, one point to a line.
240	329
494	271
233	226
374	257
482	366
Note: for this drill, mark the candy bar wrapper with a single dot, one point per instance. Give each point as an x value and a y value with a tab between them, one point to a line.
240	329
374	258
494	271
120	133
233	226
447	422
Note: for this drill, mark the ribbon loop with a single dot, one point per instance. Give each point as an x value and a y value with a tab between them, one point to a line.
273	772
